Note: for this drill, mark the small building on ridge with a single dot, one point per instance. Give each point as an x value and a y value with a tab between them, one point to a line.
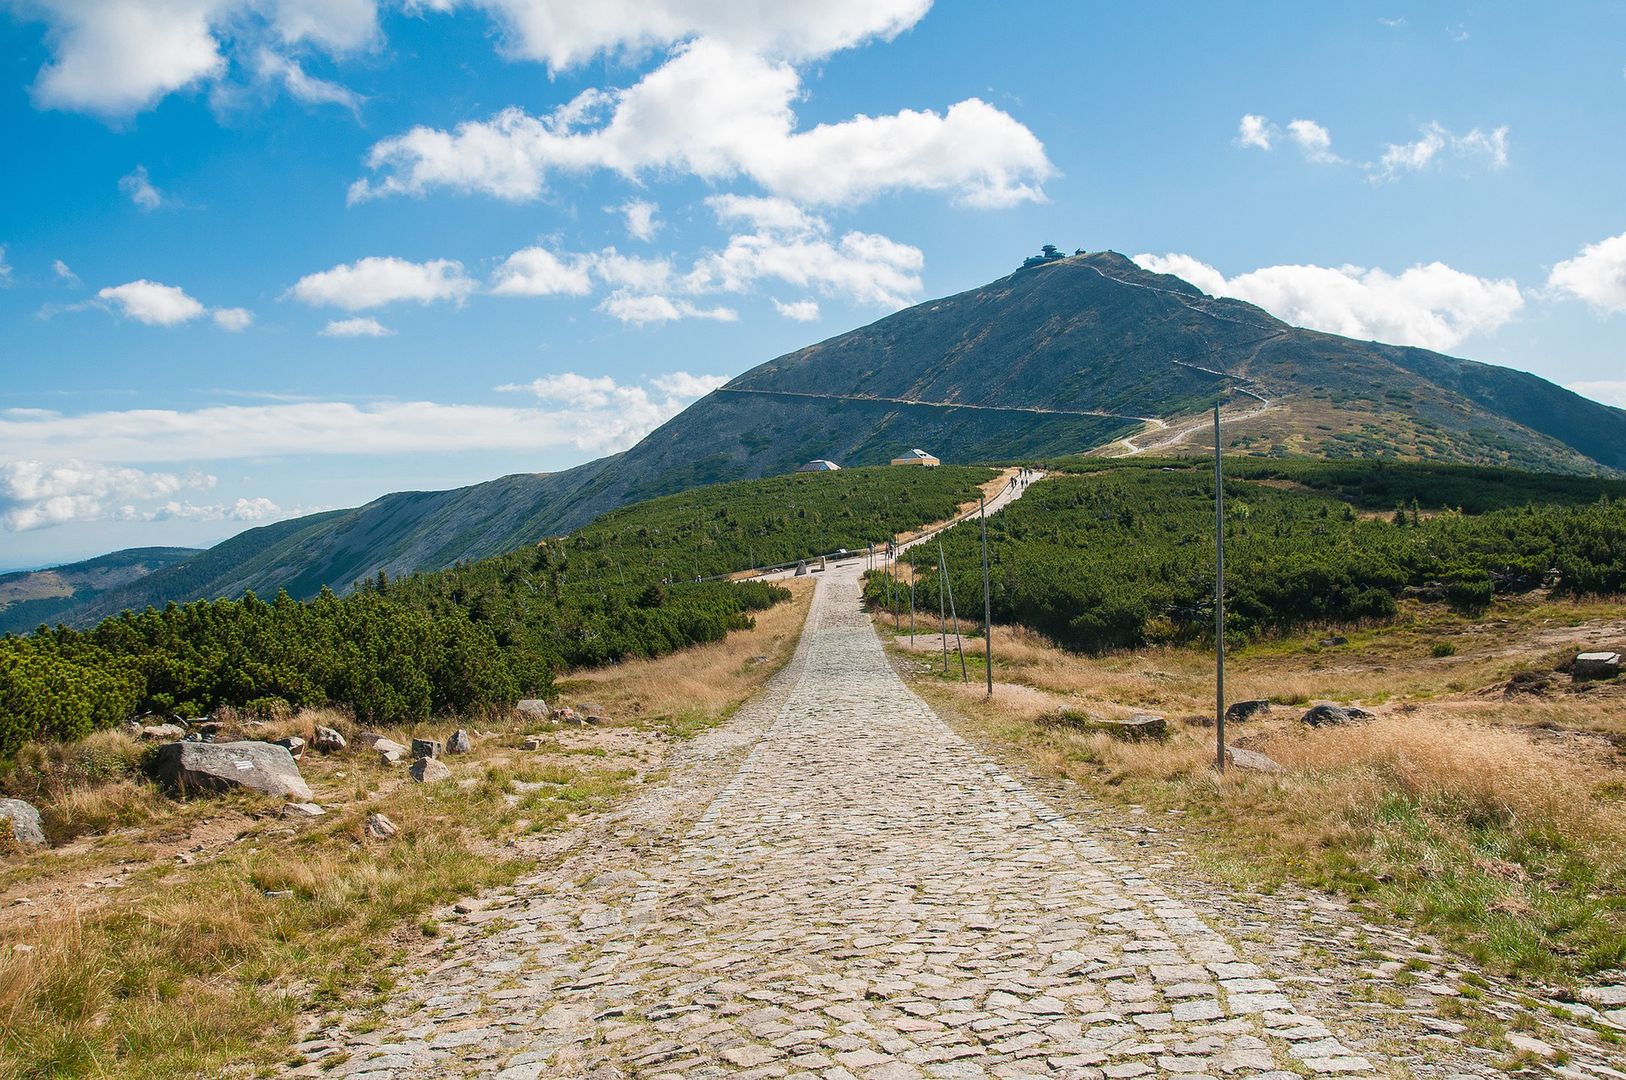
916	456
819	465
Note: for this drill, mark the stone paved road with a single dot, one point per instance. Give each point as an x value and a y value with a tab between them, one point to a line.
864	896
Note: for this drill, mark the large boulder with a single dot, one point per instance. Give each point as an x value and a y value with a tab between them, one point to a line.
534	707
1239	711
253	766
1332	716
24	822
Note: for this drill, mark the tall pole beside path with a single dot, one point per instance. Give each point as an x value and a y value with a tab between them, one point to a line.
1219	601
987	604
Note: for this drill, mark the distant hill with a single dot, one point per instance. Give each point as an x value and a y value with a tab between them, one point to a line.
1071	355
29	598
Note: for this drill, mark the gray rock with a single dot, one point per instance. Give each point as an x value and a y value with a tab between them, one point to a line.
163	732
534	707
532	742
24	820
328	741
1327	716
1139	726
389	756
592	712
1251	760
1597	665
428	770
380	827
424	748
459	743
293	744
386	746
1240	711
1336	639
303	810
254	766
1605	997
1357	713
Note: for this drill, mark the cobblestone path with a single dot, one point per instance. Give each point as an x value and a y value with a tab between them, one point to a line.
863	896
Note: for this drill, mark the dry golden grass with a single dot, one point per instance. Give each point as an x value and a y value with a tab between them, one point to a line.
194	959
1498	820
708	680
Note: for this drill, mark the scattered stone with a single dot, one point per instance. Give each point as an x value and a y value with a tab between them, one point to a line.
328	741
428	770
567	715
592	712
25	822
534	707
532	742
380	827
22	948
278	894
1530	1045
255	766
293	744
459	743
426	748
163	732
303	810
1239	711
389	756
1596	665
1251	760
1336	639
1355	712
209	730
1139	726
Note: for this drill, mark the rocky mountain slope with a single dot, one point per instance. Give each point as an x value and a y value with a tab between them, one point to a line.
1064	357
31	597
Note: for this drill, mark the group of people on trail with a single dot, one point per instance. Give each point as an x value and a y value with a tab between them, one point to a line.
1022	479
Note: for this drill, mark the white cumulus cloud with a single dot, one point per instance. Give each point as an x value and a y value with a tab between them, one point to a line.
1488	148
717	112
139	187
640	218
37	494
536	271
301	85
1597	275
1433	306
797	310
375	281
360	326
1313	140
641	309
1256	131
153	303
233	319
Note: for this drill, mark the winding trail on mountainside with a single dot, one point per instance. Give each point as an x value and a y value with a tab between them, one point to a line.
835	884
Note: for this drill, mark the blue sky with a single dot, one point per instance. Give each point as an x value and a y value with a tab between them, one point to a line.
267	256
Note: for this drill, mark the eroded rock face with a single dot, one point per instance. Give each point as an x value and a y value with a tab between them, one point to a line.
23	821
255	766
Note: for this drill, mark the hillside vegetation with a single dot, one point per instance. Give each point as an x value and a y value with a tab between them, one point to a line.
1057	359
1122	556
478	635
29	598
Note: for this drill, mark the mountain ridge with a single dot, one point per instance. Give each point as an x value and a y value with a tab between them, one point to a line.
1068	356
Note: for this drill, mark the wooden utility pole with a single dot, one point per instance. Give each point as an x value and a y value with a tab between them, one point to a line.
1219	601
942	605
987	603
